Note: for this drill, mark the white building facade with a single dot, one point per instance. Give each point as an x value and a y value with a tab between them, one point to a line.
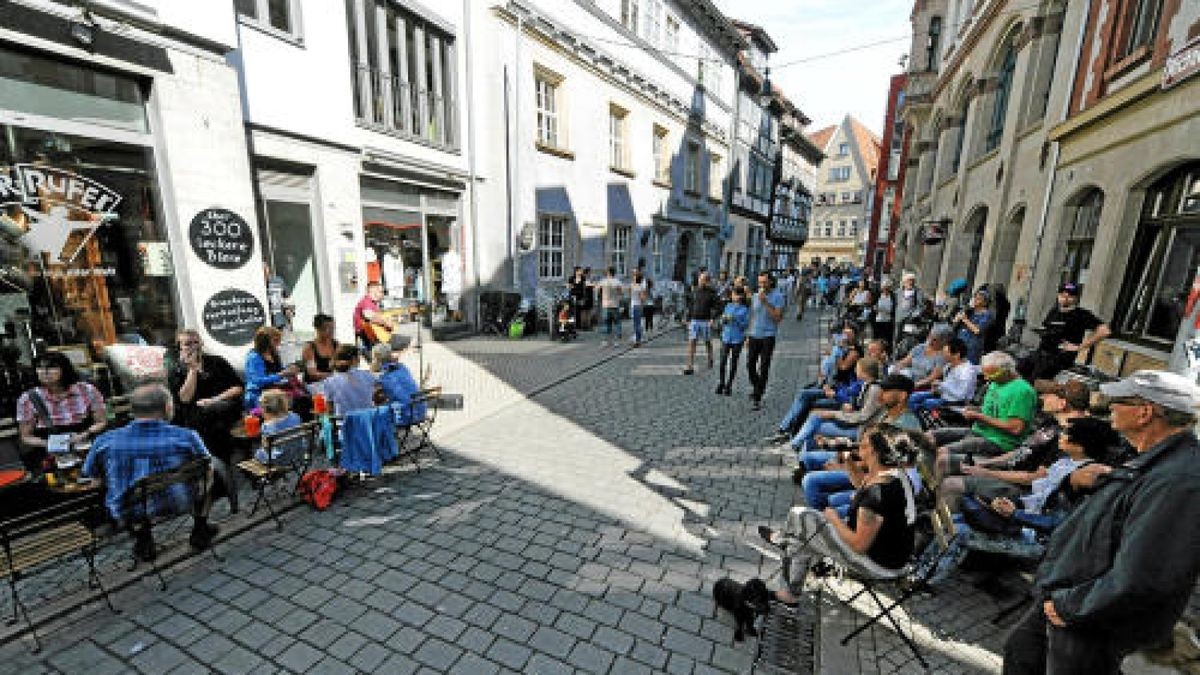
604	141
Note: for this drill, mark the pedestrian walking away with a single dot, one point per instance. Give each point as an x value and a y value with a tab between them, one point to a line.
734	321
766	311
701	312
638	297
611	291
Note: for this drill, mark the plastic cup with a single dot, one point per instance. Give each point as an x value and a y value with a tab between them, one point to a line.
253	426
320	404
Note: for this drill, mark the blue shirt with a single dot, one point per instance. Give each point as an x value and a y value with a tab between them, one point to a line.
737	320
350	391
143	448
259	376
761	323
974	341
400	386
291	421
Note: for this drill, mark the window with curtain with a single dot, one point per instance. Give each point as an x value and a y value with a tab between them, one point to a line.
1079	238
1000	102
1164	260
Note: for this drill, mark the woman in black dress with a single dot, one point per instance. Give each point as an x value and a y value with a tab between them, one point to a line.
318	353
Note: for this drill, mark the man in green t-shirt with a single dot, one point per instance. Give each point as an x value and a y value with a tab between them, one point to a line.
999	426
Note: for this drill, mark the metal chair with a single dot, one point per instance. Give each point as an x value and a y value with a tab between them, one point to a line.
286	452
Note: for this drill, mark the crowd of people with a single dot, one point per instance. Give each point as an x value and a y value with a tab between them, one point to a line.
198	409
1102	483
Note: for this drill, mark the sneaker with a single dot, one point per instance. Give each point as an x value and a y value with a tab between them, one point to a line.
768	534
798	475
202	536
720	389
756	405
728	390
777	437
144	549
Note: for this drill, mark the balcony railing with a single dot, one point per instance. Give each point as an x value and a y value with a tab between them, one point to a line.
393	105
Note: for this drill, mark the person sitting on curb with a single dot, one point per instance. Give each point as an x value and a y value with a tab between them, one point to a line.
1120	570
956	385
878	535
925	362
844	422
144	447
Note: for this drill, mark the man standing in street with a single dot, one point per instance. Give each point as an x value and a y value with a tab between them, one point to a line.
701	313
611	291
1063	330
766	311
1120	569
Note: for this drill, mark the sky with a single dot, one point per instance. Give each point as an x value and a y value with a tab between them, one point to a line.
826	89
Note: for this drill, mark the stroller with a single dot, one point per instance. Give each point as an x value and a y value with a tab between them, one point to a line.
565	319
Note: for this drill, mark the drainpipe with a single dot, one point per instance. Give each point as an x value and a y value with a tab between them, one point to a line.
733	162
515	150
471	167
1022	308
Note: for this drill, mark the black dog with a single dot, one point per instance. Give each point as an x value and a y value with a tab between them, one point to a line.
744	601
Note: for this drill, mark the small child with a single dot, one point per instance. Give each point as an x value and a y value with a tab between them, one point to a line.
276	417
735	320
350	388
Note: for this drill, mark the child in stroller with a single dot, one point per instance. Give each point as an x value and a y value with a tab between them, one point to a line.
566	320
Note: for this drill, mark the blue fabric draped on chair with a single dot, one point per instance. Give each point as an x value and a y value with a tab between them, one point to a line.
368	440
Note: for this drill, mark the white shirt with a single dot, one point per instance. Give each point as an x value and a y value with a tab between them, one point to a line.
959	382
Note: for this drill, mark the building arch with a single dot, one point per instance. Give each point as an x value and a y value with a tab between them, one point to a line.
1002	77
1003	257
963	249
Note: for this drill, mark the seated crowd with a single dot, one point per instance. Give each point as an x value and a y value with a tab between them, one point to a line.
1107	494
194	414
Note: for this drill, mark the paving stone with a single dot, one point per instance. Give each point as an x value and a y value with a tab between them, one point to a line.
368	657
546	665
613	640
509	653
589	658
576	625
688	644
552	641
472	664
514	627
235	660
299	657
437	654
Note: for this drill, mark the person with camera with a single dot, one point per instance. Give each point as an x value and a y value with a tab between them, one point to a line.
1063	333
971	324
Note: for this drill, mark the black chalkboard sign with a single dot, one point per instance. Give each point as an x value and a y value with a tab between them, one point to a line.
232	316
221	238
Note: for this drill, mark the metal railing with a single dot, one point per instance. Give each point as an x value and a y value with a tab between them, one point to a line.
388	101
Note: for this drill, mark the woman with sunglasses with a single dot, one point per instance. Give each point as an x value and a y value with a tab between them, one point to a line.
61	405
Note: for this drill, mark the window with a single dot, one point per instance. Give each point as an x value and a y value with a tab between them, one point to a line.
838	174
841	229
829	228
629	14
1138	29
656	254
709	68
620	248
716	175
1000	102
961	141
1164	259
551	233
691	168
853	227
403	69
616	137
652	25
843	149
1080	238
662	155
277	14
671	39
933	44
847	197
547	109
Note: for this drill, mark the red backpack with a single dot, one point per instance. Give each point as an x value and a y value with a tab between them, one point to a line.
317	487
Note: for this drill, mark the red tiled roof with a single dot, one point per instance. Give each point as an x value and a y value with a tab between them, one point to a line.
869	145
820	137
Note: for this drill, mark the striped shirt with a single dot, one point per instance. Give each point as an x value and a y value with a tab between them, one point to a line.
75	405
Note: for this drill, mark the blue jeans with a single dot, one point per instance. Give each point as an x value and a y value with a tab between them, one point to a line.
924	399
815	426
806	400
612	317
828	488
635	313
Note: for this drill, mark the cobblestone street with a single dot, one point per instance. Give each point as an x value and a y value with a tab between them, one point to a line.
579	530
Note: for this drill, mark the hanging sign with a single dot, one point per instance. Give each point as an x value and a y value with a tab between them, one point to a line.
221	238
1182	64
231	317
53	211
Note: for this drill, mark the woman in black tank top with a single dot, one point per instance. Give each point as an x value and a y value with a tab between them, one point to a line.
318	365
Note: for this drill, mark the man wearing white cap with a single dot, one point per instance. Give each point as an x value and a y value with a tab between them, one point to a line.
1119	570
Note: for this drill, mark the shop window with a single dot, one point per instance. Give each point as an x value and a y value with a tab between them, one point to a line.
279	15
1164	260
1080	238
34	84
620	248
84	258
551	236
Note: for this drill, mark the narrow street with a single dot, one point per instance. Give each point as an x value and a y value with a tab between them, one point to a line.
579	530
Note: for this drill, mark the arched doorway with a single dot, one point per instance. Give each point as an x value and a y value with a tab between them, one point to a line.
968	245
683	249
1004	248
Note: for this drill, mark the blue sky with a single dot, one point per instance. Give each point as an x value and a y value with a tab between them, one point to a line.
828	88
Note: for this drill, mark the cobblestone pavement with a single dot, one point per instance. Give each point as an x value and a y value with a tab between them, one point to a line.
579	530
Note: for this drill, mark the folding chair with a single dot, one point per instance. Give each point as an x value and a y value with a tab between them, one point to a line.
149	499
35	539
289	451
430	398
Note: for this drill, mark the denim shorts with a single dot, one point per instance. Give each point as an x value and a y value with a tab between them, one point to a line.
699	329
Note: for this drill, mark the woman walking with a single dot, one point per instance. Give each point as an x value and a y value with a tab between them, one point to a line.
735	320
638	297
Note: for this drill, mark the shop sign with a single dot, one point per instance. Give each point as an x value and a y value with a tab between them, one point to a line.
48	198
1182	64
221	238
231	317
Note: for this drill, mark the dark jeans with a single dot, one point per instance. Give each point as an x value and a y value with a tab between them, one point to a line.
1047	364
1035	647
758	363
729	355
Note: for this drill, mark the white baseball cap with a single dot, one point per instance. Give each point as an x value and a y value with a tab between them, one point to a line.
1170	390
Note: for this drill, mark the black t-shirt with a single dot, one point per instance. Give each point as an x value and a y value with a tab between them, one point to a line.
216	376
893	545
1040	448
847	375
1068	326
704	304
579	289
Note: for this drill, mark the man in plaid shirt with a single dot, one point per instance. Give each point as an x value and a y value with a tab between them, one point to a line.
146	446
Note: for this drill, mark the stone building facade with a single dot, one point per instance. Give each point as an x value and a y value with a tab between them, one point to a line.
844	192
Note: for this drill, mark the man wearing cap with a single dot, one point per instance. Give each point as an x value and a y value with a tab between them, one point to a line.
1119	570
1063	332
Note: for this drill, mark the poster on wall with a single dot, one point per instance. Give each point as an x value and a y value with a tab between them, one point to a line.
231	317
53	211
221	238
